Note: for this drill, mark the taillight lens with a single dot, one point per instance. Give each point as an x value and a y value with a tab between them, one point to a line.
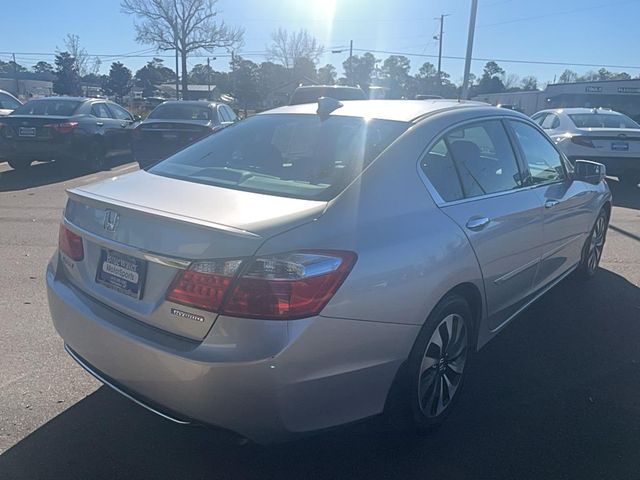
582	141
70	244
204	284
288	286
64	127
283	287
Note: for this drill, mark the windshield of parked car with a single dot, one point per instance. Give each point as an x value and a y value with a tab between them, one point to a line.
181	112
311	95
297	156
63	108
602	120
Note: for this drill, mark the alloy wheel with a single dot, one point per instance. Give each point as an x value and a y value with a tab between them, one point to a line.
596	244
442	365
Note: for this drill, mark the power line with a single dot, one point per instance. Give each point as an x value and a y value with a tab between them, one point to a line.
555	14
503	60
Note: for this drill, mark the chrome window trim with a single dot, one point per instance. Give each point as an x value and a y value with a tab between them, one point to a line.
164	260
432	190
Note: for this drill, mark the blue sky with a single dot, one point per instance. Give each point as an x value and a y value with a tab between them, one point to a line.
571	31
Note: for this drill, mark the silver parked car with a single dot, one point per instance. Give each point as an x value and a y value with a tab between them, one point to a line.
318	264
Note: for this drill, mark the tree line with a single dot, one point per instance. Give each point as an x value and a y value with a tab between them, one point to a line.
193	26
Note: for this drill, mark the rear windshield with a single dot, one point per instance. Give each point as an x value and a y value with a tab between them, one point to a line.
63	108
296	156
311	95
181	112
602	120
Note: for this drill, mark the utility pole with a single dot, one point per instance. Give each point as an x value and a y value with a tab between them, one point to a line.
175	38
15	75
440	47
467	61
208	79
351	62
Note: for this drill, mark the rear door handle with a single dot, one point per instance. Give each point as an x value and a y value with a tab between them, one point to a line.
100	124
551	203
477	223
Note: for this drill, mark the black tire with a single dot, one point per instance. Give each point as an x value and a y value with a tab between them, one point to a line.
21	164
412	405
593	247
95	157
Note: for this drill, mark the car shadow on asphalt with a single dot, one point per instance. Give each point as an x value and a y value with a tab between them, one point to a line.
626	196
40	174
554	396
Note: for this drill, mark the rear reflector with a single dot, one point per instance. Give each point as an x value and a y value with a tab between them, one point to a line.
281	287
70	244
64	127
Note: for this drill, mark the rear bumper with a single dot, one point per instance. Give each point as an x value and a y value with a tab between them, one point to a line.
41	150
266	380
615	165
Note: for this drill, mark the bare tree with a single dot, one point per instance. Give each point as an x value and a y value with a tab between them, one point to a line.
510	80
287	47
72	45
183	25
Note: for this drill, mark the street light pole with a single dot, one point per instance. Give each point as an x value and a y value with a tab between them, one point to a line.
351	62
467	61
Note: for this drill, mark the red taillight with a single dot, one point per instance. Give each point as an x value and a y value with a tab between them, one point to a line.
64	127
287	286
582	141
70	244
204	284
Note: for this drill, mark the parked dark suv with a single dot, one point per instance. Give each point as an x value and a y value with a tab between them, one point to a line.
85	131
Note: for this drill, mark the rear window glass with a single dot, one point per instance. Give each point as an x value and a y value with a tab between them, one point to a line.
296	156
311	95
63	108
602	120
181	112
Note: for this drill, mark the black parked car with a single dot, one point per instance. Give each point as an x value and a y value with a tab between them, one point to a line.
173	125
85	131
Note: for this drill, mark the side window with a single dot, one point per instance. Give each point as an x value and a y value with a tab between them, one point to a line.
100	110
7	102
550	122
540	118
484	158
542	158
223	114
119	112
231	114
438	166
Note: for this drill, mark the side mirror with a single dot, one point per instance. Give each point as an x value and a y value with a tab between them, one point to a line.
137	118
590	172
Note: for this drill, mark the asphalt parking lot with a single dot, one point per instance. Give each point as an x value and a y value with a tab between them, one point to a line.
556	396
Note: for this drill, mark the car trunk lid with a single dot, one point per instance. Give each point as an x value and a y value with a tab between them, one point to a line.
622	141
159	226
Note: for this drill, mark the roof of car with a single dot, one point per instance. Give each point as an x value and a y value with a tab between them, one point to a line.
578	110
311	87
189	102
398	110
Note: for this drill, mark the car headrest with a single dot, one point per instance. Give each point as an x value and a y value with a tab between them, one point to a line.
465	150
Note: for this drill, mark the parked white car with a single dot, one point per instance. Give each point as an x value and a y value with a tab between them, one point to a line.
8	103
596	134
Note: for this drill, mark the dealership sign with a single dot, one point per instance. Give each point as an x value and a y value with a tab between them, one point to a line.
593	89
628	89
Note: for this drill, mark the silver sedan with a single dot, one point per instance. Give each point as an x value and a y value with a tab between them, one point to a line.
322	263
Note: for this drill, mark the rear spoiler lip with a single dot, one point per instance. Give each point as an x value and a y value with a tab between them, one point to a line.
100	200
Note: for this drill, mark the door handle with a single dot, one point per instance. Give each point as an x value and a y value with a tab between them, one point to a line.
123	125
477	223
100	124
551	203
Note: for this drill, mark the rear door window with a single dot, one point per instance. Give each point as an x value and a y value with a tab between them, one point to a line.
551	122
484	159
8	102
119	112
290	155
100	110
